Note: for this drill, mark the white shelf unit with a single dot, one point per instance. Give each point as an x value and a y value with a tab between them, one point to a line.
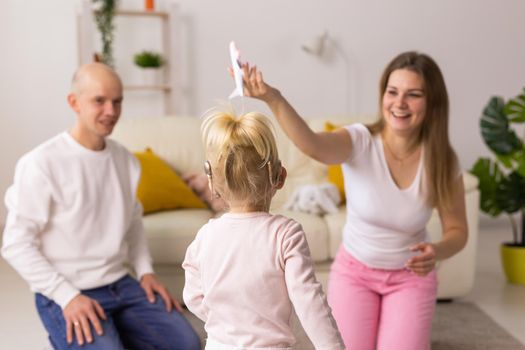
170	48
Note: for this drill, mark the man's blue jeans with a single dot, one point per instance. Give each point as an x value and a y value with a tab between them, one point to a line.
133	322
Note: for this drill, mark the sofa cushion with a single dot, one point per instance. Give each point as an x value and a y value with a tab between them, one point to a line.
470	182
174	139
335	223
160	188
169	233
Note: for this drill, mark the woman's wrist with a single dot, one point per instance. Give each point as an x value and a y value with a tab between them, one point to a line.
273	97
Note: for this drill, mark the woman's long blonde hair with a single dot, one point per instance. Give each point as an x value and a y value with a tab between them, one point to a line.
441	163
243	157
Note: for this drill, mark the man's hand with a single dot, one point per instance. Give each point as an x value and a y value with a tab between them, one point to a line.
78	313
151	285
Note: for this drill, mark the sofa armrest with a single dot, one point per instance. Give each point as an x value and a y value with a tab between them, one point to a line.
456	274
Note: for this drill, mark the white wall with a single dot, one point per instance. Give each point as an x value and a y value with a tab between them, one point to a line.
37	60
477	43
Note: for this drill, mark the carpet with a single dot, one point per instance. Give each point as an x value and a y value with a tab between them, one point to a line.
464	326
456	326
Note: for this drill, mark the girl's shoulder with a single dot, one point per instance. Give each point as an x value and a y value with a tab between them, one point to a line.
286	227
284	220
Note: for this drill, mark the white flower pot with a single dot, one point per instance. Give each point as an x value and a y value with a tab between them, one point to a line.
151	76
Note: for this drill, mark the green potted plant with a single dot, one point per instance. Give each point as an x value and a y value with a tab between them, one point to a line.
502	180
104	15
148	59
150	63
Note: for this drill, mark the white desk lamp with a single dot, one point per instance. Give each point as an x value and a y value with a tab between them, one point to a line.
318	46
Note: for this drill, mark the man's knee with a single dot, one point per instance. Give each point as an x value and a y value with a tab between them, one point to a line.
183	335
108	341
190	341
151	324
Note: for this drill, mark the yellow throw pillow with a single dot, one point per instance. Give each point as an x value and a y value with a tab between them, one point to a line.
335	173
160	188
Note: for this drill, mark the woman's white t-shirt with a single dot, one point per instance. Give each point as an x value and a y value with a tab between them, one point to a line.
383	221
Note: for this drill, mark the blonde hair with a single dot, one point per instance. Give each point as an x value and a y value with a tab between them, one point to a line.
243	157
441	163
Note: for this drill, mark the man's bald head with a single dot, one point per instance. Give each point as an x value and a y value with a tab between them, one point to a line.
96	99
93	73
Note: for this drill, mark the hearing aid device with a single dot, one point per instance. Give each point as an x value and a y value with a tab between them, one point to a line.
237	70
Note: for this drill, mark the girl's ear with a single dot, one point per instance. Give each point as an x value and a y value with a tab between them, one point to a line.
281	178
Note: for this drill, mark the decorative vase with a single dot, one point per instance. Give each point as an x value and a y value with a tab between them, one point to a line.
513	260
149	5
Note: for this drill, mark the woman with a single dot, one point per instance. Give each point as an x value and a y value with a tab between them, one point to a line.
382	285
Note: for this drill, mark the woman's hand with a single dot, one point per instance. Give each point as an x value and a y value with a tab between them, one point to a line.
254	85
423	263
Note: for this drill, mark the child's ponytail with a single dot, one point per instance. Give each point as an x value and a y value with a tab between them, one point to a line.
243	156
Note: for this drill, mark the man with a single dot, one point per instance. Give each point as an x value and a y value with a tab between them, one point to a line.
74	226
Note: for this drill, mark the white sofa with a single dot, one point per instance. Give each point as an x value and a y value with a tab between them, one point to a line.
177	141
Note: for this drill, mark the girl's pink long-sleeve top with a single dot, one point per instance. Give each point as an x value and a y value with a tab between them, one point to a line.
244	274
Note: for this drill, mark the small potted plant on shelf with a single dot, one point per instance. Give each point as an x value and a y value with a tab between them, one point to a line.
150	63
502	181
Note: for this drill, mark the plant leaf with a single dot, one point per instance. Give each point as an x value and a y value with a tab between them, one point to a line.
495	129
104	15
515	109
521	166
489	176
510	193
506	160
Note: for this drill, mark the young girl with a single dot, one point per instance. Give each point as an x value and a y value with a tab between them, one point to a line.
247	269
